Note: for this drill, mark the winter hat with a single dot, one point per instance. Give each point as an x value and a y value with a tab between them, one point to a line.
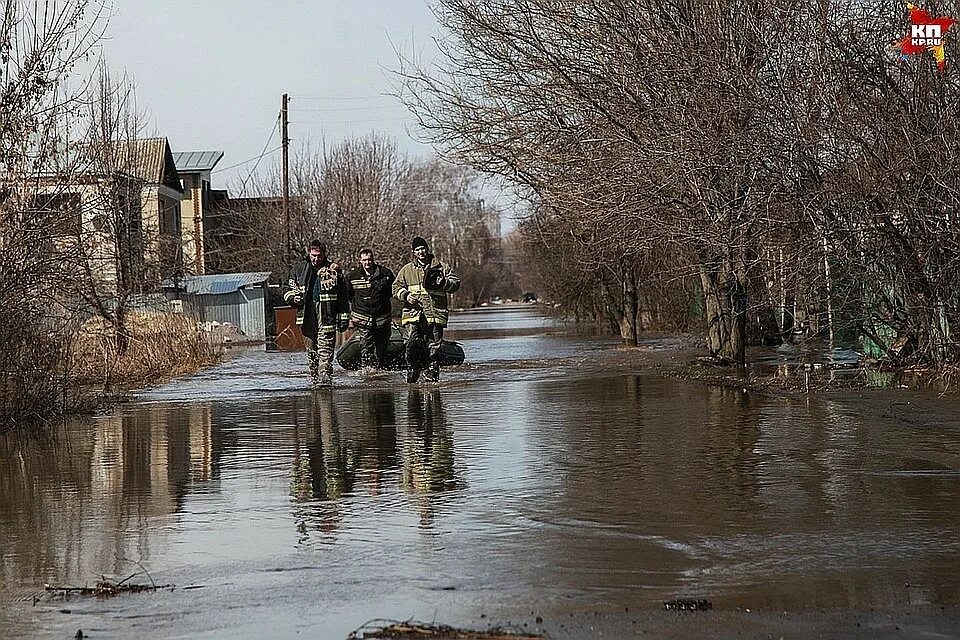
419	242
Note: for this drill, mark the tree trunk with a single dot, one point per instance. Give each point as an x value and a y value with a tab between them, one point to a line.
725	301
121	336
628	319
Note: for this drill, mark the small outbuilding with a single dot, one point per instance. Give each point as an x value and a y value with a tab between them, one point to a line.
236	298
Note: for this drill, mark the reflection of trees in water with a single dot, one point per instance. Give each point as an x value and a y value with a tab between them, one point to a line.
85	498
428	456
633	449
731	430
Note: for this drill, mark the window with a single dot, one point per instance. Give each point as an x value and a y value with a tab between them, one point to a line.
58	212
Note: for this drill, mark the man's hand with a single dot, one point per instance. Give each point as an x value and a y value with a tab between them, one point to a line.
412	300
298	300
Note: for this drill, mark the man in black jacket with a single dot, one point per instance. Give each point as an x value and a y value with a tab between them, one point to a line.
370	295
318	290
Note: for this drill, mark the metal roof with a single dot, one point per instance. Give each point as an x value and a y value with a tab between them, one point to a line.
222	283
148	159
196	160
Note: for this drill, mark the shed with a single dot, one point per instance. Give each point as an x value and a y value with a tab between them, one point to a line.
237	298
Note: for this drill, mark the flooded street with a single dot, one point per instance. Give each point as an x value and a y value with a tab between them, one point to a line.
534	481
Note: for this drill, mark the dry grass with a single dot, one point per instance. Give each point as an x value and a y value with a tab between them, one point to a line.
33	388
160	346
52	370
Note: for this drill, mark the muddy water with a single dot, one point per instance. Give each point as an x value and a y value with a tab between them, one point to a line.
533	479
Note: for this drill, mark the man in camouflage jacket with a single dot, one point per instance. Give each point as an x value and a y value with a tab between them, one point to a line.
318	290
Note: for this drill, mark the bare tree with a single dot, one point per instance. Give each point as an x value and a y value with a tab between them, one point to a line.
40	43
364	193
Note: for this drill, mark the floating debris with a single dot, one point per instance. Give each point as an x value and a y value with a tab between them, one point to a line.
106	588
409	630
688	605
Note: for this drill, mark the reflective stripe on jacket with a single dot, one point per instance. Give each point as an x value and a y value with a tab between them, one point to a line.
324	292
430	299
370	296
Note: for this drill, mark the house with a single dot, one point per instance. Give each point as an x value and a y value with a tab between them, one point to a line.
115	208
197	211
160	198
93	223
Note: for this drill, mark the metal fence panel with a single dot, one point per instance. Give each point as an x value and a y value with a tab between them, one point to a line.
253	313
222	308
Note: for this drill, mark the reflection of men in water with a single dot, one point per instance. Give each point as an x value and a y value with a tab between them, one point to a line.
423	286
427	451
324	473
323	468
319	291
370	295
377	428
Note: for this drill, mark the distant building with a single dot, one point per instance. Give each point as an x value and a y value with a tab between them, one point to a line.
198	207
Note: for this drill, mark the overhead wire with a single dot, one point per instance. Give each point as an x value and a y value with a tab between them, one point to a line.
367	108
239	164
323	98
243	184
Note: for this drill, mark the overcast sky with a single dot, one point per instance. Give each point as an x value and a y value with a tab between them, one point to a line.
210	73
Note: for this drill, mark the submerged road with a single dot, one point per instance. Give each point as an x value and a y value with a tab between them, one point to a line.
535	485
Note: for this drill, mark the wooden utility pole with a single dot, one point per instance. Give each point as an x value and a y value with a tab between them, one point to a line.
285	142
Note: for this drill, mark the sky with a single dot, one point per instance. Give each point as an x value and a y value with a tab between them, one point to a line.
209	74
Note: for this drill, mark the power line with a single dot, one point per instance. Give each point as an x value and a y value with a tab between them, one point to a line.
323	98
393	119
350	108
233	166
243	185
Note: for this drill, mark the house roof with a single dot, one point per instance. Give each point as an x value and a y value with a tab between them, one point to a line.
190	161
154	163
147	159
222	282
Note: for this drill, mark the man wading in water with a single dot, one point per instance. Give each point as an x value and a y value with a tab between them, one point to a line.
318	290
370	295
423	286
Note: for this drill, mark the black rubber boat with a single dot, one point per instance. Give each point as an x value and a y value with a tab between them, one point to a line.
348	355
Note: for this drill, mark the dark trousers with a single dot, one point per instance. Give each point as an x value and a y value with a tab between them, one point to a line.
373	345
423	343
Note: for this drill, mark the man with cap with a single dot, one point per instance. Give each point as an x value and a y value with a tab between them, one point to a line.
424	285
318	290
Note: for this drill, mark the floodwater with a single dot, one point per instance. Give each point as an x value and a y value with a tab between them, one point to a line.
535	479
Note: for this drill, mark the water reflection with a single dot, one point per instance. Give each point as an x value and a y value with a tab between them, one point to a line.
84	498
428	456
324	468
340	455
580	488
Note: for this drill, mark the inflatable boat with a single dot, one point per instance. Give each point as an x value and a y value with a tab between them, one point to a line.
348	355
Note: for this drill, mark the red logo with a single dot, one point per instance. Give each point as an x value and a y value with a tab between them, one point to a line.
926	34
